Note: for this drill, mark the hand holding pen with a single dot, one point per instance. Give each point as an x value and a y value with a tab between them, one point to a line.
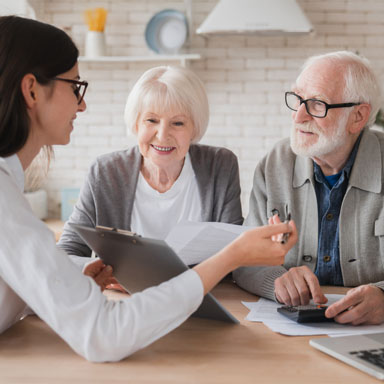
275	219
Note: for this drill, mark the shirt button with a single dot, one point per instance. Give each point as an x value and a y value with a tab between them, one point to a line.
327	258
307	258
329	216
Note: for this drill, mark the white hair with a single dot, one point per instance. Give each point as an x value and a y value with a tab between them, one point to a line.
361	83
165	88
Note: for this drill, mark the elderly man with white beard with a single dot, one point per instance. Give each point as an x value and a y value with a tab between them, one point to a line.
329	177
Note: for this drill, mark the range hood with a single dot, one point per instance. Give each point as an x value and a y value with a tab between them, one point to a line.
269	17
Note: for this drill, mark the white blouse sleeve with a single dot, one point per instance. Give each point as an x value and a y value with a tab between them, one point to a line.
72	304
12	308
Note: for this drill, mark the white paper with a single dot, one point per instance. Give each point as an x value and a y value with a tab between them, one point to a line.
266	311
195	242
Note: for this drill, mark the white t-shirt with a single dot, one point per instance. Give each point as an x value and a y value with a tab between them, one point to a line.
34	271
154	213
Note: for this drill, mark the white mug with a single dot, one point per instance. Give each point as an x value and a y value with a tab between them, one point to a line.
95	44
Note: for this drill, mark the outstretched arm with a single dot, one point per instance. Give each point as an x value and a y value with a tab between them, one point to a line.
254	247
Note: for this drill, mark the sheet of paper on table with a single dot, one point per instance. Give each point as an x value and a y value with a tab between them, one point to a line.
195	242
265	311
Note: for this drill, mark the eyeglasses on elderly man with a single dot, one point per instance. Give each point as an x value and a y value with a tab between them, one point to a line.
314	107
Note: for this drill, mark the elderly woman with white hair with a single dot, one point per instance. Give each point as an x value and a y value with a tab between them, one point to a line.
167	177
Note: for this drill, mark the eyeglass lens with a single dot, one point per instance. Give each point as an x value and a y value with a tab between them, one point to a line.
314	107
80	91
79	87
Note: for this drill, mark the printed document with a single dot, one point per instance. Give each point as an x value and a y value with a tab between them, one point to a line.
194	242
266	311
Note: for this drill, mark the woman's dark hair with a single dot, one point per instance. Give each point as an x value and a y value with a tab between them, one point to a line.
27	46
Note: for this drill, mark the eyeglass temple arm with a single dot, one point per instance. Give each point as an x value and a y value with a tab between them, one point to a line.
342	105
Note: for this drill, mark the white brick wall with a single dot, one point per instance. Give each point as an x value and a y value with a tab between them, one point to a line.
245	77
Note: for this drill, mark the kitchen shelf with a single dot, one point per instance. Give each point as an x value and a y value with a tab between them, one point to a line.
183	58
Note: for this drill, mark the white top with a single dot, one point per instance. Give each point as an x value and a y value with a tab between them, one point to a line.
34	271
16	169
154	214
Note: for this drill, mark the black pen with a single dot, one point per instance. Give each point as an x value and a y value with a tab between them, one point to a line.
286	235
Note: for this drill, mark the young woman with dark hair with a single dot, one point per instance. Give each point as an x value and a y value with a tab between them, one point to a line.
40	95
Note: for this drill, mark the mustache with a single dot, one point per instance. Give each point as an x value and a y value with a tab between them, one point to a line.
309	127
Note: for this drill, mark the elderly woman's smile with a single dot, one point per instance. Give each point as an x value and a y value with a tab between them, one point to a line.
162	149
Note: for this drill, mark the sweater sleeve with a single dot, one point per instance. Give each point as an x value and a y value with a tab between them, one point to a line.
231	209
258	280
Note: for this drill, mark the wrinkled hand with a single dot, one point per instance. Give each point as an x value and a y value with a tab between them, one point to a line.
361	305
101	273
297	286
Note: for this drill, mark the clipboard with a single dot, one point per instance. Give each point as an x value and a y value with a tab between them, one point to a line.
139	263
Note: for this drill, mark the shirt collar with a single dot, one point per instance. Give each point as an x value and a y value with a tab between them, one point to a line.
16	169
303	171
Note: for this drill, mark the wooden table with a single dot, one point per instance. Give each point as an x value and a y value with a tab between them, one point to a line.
199	351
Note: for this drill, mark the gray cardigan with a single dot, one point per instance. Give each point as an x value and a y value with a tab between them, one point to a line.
284	178
108	193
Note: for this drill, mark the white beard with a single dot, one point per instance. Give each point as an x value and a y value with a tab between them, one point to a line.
324	145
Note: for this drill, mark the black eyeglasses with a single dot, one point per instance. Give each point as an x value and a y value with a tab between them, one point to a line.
79	91
314	107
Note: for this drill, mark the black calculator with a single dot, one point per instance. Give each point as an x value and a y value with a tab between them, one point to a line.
311	313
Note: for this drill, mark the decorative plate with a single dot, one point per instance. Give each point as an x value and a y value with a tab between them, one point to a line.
166	32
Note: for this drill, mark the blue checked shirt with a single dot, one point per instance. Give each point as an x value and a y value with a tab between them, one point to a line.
330	192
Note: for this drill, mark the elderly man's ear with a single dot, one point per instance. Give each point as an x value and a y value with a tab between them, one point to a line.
359	118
